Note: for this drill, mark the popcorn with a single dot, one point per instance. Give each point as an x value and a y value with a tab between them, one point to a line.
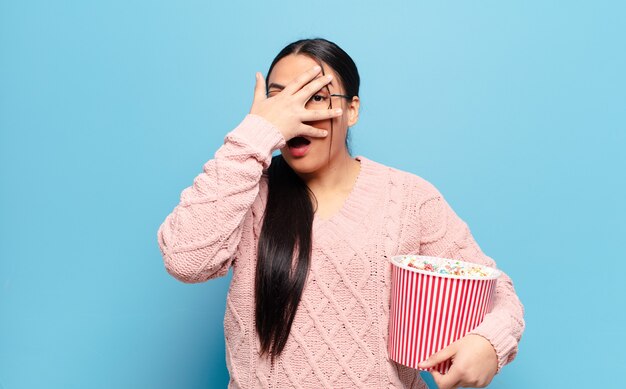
446	267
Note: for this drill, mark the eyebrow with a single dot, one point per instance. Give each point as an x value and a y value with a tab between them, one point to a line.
275	85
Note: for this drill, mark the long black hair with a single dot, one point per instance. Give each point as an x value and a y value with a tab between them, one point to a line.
284	250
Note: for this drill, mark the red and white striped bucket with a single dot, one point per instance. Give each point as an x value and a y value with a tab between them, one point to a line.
429	310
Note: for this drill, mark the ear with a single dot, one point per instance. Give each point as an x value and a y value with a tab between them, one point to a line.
353	111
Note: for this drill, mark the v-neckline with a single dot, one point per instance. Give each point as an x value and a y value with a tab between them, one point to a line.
350	202
322	220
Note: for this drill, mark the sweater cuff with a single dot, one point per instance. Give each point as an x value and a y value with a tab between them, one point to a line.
500	338
259	133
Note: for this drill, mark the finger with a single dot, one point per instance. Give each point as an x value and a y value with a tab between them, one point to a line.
446	381
259	87
314	86
438	357
306	130
302	80
312	115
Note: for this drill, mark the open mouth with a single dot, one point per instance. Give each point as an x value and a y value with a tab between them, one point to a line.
298	142
298	146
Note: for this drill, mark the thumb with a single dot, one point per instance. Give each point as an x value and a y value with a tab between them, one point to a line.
446	381
438	357
259	87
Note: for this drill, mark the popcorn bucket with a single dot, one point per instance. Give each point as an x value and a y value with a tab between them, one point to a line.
434	302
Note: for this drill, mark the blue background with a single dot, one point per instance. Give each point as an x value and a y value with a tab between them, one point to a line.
108	110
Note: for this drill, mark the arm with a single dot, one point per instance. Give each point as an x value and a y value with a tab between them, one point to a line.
198	240
444	234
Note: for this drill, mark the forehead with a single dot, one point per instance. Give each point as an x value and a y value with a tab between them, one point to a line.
290	67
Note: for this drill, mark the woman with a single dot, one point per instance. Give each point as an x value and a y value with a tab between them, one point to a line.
307	234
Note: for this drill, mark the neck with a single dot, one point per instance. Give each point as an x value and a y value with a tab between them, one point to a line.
339	174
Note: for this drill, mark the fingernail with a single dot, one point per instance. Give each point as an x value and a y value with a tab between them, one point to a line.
330	77
338	110
316	68
324	132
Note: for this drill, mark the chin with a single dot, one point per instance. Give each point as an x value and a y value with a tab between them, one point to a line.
304	165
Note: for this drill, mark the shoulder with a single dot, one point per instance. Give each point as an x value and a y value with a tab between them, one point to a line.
407	183
260	202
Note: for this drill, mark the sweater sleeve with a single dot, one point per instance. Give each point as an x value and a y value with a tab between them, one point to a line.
199	238
444	234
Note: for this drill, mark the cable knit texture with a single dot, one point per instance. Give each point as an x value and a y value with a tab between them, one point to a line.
339	334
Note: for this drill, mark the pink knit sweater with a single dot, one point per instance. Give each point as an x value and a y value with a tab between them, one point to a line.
339	334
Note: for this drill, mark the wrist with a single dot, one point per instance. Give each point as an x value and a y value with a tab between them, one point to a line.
259	134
